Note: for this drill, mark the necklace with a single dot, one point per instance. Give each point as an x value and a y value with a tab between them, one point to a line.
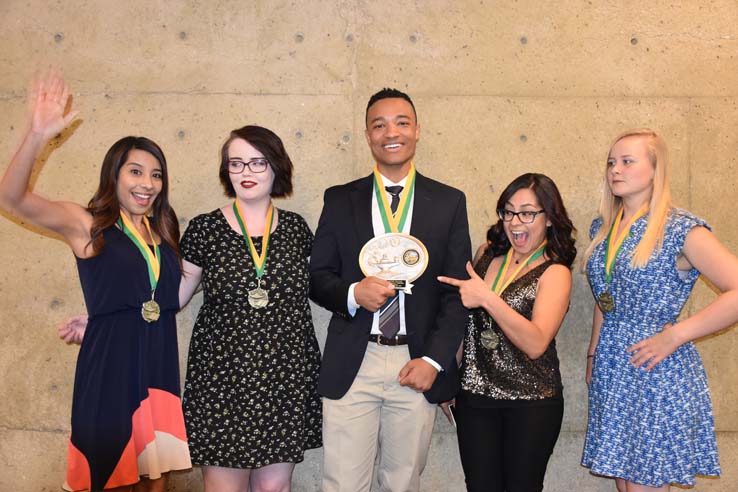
150	310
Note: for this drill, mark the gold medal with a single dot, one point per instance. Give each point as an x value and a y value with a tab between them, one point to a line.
606	302
489	338
150	311
614	243
258	298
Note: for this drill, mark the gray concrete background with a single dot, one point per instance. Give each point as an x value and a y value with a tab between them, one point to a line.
501	88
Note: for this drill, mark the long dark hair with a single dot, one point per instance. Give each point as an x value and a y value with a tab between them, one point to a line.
105	207
560	234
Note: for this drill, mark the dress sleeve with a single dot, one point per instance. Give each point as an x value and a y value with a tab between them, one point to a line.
192	243
306	236
681	223
594	228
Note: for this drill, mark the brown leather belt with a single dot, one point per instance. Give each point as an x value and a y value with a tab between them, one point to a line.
380	340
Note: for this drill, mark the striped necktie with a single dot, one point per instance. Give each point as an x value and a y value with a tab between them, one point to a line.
389	314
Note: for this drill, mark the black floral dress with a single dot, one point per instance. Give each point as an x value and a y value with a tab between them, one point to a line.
250	396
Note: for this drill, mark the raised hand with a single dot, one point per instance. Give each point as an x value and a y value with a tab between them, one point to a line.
474	292
48	99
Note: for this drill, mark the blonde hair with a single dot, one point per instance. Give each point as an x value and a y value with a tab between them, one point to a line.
658	206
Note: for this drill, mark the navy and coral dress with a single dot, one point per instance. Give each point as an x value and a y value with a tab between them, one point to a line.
126	413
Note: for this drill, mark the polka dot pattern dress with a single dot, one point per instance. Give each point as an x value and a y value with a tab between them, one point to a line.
250	396
651	428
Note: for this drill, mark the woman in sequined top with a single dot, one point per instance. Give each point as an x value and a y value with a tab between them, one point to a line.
510	407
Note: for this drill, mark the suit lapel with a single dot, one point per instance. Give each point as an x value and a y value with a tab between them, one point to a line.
420	227
361	201
422	207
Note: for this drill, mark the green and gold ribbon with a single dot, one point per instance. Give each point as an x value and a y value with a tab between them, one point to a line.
394	222
152	258
498	287
259	258
615	241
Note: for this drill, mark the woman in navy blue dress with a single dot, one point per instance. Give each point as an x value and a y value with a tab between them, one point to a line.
650	416
127	422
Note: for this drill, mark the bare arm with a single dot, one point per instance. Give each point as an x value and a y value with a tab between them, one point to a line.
594	339
531	336
704	252
48	117
552	301
191	277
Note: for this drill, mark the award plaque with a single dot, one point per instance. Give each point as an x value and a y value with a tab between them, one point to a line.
395	257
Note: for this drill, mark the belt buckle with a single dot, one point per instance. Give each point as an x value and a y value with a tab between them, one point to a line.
379	341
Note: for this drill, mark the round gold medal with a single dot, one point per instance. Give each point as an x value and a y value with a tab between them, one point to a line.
606	302
150	311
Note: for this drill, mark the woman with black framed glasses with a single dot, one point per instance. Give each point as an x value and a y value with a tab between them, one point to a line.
250	400
510	408
251	406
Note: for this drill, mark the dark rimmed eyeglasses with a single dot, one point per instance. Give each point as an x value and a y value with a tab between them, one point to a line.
237	166
524	216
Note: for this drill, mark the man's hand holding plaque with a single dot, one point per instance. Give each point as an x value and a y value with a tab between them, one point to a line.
372	292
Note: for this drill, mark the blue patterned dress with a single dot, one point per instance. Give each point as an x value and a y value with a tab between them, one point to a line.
651	428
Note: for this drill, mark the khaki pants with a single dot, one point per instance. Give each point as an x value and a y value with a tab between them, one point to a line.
377	414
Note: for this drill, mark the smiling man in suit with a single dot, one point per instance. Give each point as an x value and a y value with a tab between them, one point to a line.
389	355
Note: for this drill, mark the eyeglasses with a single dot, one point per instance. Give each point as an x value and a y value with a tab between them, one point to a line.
525	216
255	165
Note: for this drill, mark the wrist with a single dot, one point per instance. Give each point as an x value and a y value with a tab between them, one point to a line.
36	137
490	302
676	336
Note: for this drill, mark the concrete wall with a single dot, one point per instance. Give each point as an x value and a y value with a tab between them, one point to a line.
501	88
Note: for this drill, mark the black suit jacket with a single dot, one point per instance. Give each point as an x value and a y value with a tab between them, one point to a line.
435	318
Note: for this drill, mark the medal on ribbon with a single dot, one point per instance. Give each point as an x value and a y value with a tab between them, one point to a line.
150	310
396	257
605	300
490	339
258	297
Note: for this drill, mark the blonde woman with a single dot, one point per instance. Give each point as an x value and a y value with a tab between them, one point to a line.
650	415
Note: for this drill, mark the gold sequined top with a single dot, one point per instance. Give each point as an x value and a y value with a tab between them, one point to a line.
506	372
